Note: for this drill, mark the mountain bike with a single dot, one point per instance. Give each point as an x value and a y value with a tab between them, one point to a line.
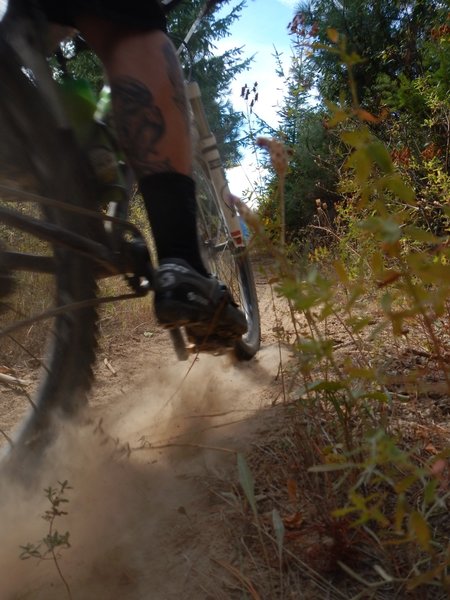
64	229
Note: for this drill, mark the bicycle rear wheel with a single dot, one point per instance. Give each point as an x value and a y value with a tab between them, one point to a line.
230	264
47	356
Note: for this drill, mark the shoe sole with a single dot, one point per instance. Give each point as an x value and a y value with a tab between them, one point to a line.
220	324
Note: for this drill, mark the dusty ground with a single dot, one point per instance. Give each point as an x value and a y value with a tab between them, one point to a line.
158	510
153	484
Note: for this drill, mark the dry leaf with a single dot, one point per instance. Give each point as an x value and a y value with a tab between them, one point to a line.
364	115
430	447
333	35
292	490
438	467
293	521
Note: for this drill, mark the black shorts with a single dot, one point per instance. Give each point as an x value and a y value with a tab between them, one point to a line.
141	14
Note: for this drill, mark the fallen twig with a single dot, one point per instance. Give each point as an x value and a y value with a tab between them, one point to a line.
244	580
9	379
109	366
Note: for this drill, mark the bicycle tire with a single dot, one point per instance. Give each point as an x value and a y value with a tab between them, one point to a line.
230	264
37	156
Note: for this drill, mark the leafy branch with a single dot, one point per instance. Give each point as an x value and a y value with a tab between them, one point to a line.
47	548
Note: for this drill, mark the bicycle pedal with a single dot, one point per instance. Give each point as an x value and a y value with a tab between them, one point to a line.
209	349
212	345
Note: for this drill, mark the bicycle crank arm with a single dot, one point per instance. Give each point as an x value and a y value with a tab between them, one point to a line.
20	261
60	236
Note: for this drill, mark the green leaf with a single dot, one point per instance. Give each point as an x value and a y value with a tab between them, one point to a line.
341	271
420	530
337	117
390	231
356	139
421	235
353	59
329	467
401	510
387	228
378	396
429	493
386	302
427	577
360	161
338	113
399	188
380	155
326	386
404	484
247	482
361	373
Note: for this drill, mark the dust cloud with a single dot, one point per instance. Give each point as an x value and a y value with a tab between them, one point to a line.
144	514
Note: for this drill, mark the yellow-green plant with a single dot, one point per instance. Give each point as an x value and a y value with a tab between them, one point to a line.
398	282
53	541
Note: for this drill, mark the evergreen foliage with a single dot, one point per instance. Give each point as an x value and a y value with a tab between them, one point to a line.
388	36
399	53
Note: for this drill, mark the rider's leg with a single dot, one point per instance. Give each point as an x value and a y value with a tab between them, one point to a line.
152	118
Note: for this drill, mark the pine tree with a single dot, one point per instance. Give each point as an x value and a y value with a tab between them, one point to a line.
388	36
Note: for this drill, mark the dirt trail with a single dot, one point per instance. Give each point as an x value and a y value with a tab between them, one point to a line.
150	525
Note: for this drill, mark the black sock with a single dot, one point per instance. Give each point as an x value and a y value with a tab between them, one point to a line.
172	210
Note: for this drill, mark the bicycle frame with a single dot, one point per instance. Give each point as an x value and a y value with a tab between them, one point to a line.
213	162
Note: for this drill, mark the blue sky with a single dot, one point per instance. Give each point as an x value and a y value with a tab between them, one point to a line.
261	28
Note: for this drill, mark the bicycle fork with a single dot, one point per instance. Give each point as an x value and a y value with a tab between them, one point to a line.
213	162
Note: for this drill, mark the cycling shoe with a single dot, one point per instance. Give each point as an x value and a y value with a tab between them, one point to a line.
203	305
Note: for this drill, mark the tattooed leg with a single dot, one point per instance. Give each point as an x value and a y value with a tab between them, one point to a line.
140	125
152	120
148	95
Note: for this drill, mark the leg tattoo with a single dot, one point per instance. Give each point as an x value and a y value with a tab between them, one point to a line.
140	125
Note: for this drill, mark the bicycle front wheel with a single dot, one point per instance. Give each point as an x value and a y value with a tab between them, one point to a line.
47	319
230	264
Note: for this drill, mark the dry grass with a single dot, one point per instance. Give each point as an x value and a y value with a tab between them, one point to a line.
324	555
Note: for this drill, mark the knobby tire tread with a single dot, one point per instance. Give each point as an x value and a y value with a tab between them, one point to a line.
53	160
